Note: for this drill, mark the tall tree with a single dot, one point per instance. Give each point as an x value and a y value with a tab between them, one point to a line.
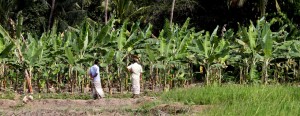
262	7
51	14
106	6
172	11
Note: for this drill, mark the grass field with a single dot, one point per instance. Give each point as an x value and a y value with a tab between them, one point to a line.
238	100
228	100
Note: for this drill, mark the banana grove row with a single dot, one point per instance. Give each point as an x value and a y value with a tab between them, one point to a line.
177	57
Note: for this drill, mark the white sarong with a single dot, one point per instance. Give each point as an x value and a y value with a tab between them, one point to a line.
97	90
135	84
136	70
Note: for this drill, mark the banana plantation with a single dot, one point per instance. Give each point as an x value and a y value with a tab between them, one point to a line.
177	57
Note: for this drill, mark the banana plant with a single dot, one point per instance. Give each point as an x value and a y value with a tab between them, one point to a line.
17	40
209	50
76	55
38	53
150	55
247	39
125	41
267	46
123	8
257	43
294	53
107	63
5	47
173	49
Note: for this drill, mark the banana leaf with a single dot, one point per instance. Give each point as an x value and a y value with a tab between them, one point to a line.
5	52
69	55
79	69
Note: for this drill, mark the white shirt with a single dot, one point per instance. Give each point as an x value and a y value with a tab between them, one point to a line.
136	69
95	70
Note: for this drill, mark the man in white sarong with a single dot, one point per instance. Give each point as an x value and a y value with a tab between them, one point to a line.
97	91
136	75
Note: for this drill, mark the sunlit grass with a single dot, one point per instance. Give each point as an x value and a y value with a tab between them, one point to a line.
241	100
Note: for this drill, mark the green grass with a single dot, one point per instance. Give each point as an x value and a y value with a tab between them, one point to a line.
83	96
238	100
7	95
62	96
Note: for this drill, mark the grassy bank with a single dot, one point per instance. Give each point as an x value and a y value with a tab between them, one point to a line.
241	100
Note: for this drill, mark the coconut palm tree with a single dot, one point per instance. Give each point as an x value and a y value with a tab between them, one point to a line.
106	7
172	12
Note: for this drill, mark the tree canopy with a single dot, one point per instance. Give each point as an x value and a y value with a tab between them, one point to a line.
40	15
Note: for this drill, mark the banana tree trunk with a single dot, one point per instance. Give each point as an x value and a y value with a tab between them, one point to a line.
246	71
276	72
120	79
26	72
157	79
82	84
16	82
264	78
76	81
71	79
191	73
220	75
165	78
241	75
152	77
108	80
38	85
207	68
295	71
127	78
48	83
286	72
28	81
3	76
169	78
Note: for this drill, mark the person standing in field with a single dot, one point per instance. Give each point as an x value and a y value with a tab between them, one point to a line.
97	91
136	75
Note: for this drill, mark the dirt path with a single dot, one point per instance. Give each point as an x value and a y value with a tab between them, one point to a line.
103	107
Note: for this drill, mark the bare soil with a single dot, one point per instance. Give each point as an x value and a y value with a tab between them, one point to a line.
103	107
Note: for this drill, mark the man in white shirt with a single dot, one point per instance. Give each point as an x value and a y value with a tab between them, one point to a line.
97	91
136	75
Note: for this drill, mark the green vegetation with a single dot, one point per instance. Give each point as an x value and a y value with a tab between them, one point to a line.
41	15
246	100
7	95
82	96
179	56
47	47
227	99
62	96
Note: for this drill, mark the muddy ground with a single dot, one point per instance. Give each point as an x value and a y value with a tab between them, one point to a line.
104	107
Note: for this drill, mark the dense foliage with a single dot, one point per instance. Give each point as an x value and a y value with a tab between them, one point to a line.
53	43
177	57
39	15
